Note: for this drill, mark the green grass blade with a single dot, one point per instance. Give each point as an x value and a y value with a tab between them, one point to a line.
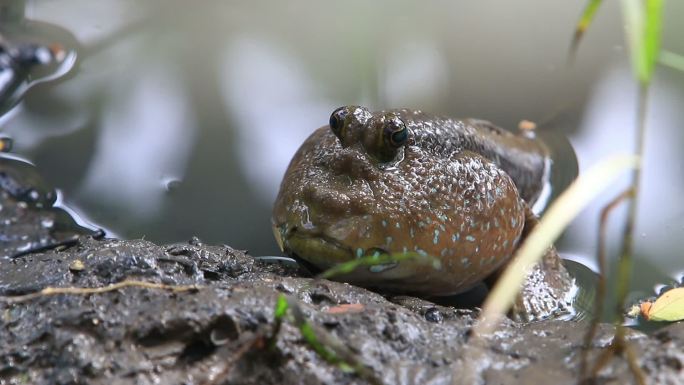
672	60
281	307
587	16
329	347
652	29
633	14
584	22
558	216
327	354
643	20
378	259
279	313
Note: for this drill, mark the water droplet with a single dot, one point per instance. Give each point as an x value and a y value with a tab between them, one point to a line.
34	195
172	184
664	289
47	222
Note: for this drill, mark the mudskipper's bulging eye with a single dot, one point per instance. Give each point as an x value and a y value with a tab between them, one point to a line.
385	136
337	119
396	133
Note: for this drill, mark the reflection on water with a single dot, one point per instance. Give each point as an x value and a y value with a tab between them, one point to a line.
179	118
267	92
149	126
609	122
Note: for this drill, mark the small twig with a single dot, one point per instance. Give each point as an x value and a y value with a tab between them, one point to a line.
96	290
625	262
66	243
619	344
603	358
633	362
235	357
601	284
626	255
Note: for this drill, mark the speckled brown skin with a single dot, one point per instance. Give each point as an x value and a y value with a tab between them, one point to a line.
457	190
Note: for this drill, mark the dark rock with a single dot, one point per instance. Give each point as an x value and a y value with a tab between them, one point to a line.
29	220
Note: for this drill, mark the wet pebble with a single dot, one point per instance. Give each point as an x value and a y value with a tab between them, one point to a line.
5	144
76	265
434	315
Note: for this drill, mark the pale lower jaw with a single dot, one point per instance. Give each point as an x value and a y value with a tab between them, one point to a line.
321	252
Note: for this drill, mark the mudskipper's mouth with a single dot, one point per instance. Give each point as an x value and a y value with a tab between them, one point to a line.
318	249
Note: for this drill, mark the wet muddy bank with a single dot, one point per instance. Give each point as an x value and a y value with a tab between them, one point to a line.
220	328
217	332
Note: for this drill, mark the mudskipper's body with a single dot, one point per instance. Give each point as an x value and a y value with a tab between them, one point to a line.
403	182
